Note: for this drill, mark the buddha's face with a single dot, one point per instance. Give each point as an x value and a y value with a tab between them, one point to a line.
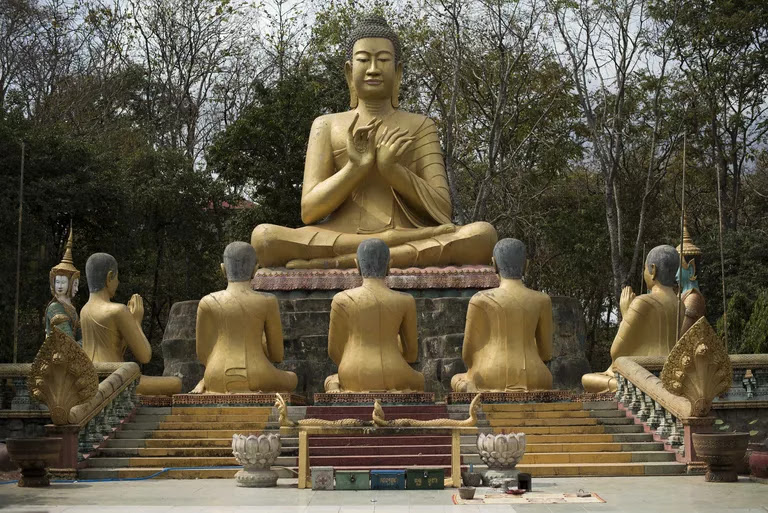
60	285
373	70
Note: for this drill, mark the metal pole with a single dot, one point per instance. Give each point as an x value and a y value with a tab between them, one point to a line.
18	262
682	243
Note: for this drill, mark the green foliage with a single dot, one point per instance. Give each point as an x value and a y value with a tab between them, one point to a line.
755	338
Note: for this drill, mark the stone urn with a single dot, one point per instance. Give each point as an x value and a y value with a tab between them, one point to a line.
501	453
758	462
256	454
34	456
722	453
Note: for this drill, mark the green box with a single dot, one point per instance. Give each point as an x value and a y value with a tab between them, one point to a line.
387	479
352	480
425	478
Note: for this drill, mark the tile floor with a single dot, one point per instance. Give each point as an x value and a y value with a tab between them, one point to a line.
684	494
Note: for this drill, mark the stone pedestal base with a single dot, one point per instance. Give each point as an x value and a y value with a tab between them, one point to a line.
256	478
349	399
255	399
495	477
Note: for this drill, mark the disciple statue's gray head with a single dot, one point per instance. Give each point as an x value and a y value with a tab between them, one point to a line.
97	269
239	261
509	255
667	260
373	258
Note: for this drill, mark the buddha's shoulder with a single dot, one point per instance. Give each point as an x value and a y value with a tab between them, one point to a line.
413	120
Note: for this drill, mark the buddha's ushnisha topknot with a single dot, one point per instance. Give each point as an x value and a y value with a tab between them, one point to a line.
373	26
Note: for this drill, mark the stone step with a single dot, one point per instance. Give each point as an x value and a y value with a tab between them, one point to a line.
536	470
201	418
575	414
577	438
538	407
223	424
569	430
315	411
221	410
163	462
594	447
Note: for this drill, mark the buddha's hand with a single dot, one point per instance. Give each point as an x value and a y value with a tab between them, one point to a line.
136	307
627	296
391	147
361	144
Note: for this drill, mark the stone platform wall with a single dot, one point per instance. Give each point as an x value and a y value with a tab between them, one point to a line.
441	332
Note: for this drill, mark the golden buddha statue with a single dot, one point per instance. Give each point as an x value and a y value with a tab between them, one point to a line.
687	279
374	171
372	335
239	333
64	280
109	328
508	333
649	322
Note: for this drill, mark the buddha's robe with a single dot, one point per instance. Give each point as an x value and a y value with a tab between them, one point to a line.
420	219
372	338
71	327
238	337
649	328
105	339
507	339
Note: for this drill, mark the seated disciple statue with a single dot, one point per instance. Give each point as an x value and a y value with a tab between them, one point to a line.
508	334
109	328
687	279
64	279
372	336
374	171
239	333
649	322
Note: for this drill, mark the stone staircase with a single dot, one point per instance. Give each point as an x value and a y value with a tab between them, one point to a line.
563	439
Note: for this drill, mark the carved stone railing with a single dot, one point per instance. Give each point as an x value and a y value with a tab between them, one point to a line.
88	424
676	403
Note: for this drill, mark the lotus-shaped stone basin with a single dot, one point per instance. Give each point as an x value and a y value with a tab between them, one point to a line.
256	453
34	456
722	453
501	451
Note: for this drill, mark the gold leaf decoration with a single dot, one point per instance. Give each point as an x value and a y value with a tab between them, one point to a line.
698	368
62	376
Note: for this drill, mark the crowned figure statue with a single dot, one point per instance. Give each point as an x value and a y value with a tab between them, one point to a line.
64	280
687	278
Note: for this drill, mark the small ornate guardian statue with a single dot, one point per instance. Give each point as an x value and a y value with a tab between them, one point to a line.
64	279
687	278
508	334
372	336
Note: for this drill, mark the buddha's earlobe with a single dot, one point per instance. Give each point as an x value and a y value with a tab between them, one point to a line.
357	266
396	86
495	266
350	85
223	270
653	272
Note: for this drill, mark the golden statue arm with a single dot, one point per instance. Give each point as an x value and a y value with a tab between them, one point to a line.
408	334
544	331
130	329
475	332
273	331
205	333
337	332
324	191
